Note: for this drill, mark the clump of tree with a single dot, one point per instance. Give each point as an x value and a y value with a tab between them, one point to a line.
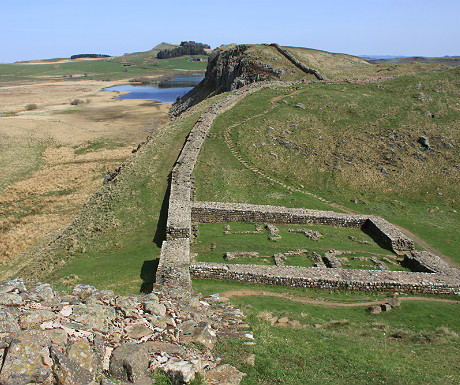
88	55
185	48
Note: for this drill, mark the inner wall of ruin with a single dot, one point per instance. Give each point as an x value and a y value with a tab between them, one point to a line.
432	274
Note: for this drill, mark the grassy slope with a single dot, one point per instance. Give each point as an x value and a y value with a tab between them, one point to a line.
112	69
122	227
337	147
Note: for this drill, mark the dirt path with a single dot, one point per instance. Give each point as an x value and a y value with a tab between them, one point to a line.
345	303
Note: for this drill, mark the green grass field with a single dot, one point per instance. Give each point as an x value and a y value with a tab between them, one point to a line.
415	343
109	69
212	244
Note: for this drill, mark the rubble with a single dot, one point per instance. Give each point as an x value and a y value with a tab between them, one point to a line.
94	337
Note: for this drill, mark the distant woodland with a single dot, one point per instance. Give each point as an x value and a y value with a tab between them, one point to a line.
185	48
88	55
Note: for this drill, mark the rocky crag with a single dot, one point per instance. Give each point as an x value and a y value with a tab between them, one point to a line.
97	337
229	68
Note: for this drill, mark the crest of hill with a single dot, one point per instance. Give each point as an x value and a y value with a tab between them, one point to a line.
145	55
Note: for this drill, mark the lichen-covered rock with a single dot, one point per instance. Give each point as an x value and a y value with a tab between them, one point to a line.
34	318
129	362
24	364
180	372
205	335
137	331
96	317
8	322
69	372
81	352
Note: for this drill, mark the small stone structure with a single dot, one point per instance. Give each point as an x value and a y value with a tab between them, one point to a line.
435	275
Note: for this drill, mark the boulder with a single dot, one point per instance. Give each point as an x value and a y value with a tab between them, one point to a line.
224	375
385	307
129	362
375	309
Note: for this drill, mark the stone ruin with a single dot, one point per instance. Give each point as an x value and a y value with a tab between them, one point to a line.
94	337
430	273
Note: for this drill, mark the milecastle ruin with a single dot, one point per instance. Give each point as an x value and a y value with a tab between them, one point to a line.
430	274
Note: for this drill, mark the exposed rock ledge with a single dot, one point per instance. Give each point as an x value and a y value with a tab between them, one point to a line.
91	336
228	69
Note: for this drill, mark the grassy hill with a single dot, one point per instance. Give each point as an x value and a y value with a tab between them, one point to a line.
121	67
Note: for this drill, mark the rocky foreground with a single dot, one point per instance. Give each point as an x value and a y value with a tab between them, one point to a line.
98	337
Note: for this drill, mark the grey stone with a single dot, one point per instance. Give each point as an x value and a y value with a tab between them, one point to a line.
8	322
395	302
67	371
137	331
96	317
129	362
34	318
24	363
180	372
375	309
155	308
224	375
44	292
82	291
205	335
11	299
164	347
81	352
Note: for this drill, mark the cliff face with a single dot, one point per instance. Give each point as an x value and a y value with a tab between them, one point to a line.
228	68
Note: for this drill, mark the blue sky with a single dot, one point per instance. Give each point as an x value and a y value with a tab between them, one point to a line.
38	29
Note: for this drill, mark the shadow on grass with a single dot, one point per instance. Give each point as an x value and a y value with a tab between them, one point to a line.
148	275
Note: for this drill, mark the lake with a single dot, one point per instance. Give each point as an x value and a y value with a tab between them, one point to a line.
163	92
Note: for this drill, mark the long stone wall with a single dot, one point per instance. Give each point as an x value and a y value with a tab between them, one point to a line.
332	278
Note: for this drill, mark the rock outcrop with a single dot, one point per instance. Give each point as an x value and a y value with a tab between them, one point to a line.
229	68
91	336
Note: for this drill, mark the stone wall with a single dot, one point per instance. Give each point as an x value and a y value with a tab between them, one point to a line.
297	63
377	227
332	279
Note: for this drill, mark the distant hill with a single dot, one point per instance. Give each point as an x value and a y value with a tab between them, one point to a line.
145	57
453	61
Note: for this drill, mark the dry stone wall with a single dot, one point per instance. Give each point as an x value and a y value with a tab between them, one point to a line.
297	63
332	278
385	232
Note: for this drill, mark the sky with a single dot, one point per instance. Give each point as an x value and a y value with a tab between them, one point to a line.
43	29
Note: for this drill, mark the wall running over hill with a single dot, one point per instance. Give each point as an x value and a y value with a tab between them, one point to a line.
297	63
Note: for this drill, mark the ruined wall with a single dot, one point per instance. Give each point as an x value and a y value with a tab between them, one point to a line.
377	227
297	63
333	279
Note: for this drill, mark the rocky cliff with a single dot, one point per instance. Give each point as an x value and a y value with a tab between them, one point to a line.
229	67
